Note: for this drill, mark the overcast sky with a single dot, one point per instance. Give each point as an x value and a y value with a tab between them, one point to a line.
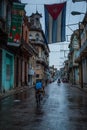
57	55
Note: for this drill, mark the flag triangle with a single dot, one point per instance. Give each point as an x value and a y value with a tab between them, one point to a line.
55	9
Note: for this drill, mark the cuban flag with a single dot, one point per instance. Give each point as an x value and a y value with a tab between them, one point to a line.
55	18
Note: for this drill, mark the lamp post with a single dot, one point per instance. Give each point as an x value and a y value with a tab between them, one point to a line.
80	65
77	13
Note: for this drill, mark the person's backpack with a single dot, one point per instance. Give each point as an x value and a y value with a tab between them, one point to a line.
38	85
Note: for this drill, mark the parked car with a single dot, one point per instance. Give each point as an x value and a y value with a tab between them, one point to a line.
51	80
64	80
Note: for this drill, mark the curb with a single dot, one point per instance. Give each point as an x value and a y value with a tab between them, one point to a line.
14	91
82	89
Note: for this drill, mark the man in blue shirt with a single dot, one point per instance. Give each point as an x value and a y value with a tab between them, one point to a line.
39	90
38	85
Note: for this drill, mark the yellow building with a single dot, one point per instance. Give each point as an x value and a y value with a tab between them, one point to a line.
37	39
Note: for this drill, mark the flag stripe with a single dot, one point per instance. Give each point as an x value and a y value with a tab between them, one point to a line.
54	29
59	27
63	24
50	28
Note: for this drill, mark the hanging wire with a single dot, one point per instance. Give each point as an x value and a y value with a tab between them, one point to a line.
80	17
69	11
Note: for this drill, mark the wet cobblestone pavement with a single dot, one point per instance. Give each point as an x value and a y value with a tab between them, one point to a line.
62	108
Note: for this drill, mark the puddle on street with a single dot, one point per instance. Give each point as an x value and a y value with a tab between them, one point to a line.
78	119
20	96
15	99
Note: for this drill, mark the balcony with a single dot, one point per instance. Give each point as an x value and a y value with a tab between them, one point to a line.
76	46
43	61
37	42
75	64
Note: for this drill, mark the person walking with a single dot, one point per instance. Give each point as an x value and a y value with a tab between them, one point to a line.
39	91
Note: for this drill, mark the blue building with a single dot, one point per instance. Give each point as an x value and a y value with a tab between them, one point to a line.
6	71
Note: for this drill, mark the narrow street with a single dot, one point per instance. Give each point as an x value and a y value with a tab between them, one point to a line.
63	108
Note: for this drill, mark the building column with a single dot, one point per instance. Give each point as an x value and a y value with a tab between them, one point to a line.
23	71
19	74
15	67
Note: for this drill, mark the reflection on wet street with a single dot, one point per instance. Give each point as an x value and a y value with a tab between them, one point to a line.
62	108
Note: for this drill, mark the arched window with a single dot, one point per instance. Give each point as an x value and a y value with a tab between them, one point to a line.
37	36
30	36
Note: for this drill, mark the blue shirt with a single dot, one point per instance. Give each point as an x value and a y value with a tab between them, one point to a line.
38	85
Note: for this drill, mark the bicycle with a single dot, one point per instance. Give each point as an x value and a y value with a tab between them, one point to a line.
39	96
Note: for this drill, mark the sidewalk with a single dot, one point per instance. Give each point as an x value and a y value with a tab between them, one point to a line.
21	89
14	91
82	89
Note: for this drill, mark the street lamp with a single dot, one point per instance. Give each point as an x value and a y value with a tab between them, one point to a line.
77	13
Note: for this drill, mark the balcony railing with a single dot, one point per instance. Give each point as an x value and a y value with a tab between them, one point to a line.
43	60
75	64
37	41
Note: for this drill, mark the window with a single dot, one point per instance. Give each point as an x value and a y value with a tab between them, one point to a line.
8	18
37	36
30	36
32	21
37	19
37	75
8	72
37	66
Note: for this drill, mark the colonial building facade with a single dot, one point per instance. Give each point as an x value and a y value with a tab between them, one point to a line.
37	39
15	49
73	66
6	55
78	54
